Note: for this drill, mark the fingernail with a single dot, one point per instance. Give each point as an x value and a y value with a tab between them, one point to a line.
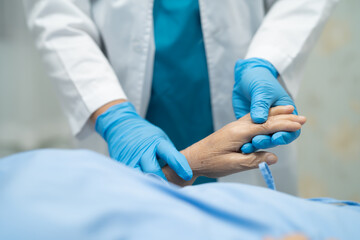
271	159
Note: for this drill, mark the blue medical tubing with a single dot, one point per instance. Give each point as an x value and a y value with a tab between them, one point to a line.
137	143
256	90
266	173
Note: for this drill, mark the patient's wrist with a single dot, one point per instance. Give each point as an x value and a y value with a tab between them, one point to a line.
192	158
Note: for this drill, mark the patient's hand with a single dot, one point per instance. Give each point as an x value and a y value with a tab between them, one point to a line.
218	154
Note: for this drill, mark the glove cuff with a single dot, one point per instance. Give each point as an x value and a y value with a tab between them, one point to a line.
112	115
245	64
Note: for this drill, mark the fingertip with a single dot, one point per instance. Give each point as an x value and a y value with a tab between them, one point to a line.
291	108
298	125
302	119
258	118
262	142
282	138
248	148
278	139
271	158
288	108
259	115
176	160
290	129
188	175
183	168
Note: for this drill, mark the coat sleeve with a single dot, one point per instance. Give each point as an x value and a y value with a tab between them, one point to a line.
69	43
287	34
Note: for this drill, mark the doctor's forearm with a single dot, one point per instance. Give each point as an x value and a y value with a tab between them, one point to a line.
105	107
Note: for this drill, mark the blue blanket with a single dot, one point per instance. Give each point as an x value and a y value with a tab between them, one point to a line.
60	194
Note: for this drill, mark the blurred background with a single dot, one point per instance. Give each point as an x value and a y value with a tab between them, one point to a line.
328	149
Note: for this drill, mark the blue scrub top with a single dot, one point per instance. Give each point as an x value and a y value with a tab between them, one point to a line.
180	95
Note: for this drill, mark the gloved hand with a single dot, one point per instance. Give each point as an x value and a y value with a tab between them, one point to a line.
217	155
257	89
137	143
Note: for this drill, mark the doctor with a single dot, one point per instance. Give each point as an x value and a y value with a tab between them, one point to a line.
152	77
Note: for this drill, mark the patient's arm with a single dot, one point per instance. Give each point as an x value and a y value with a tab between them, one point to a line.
218	154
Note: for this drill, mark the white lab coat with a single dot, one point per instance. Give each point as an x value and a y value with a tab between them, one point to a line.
99	51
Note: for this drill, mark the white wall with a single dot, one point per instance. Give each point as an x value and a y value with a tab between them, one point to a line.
329	148
30	116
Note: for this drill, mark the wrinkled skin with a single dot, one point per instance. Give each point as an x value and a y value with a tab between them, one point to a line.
218	154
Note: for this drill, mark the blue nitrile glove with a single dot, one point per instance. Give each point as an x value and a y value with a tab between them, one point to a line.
137	143
257	89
